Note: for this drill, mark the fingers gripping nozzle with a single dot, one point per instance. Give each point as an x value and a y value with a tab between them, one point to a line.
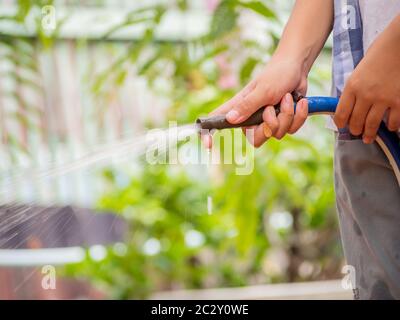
219	122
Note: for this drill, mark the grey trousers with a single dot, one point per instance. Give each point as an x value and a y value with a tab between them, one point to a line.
368	205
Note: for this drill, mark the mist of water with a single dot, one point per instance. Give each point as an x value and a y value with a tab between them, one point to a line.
13	215
113	153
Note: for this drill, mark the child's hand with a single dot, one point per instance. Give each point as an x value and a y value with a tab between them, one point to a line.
374	88
276	82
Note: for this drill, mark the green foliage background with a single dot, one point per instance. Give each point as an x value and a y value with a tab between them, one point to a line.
166	205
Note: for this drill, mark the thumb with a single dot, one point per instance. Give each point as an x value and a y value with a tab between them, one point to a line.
246	106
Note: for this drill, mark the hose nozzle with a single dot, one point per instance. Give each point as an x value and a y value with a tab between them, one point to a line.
219	122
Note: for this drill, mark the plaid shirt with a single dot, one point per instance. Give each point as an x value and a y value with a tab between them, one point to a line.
348	47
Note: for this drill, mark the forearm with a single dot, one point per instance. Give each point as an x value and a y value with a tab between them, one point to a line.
306	31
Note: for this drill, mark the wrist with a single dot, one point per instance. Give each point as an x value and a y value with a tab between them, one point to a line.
298	59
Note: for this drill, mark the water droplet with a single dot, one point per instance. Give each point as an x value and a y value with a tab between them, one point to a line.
209	204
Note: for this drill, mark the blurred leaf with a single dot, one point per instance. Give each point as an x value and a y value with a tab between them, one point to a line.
183	4
24	6
247	69
224	19
259	7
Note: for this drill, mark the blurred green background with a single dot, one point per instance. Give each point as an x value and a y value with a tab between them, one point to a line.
277	224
